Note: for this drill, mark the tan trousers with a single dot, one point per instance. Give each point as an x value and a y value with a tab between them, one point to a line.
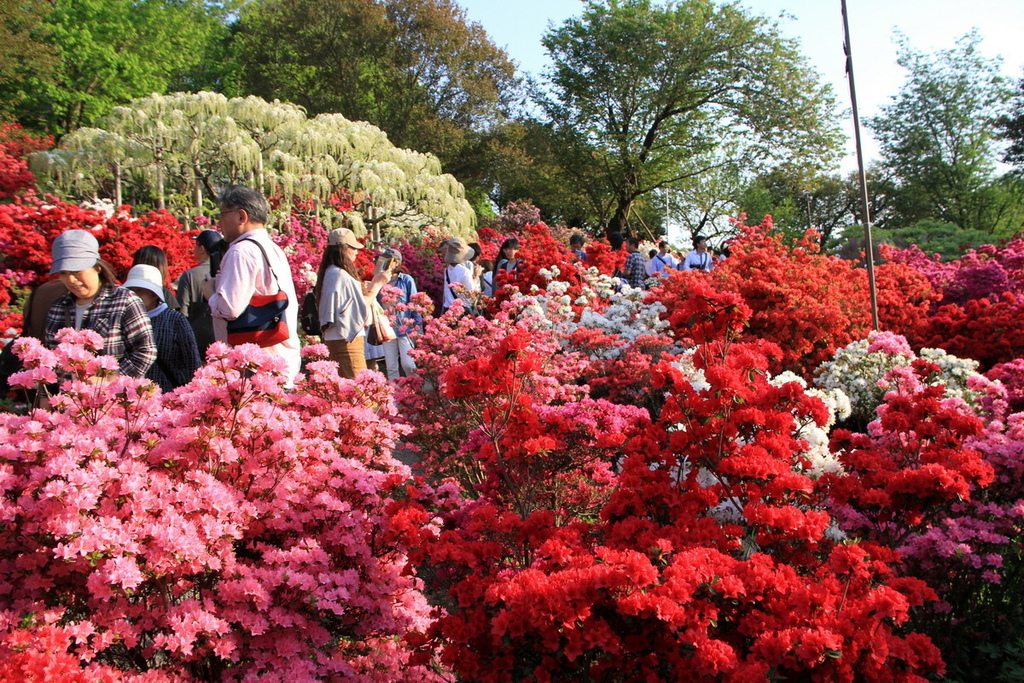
350	356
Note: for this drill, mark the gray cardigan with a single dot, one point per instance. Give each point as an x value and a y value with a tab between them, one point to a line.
343	308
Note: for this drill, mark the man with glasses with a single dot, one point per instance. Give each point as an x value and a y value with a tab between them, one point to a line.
247	269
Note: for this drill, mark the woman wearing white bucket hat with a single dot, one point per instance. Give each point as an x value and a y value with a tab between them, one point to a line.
95	302
177	354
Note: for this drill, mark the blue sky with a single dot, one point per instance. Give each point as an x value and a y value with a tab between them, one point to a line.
817	24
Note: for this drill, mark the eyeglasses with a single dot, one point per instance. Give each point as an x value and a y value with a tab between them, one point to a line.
225	213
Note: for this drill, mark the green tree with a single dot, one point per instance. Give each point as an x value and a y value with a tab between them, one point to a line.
527	162
799	201
938	139
108	52
1011	129
415	68
648	97
23	51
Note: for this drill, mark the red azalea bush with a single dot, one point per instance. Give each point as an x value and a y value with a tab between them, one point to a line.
808	303
987	271
231	530
440	417
699	314
124	235
941	484
989	331
938	272
626	379
15	146
705	561
28	228
14	290
543	258
978	312
30	655
911	466
601	256
905	299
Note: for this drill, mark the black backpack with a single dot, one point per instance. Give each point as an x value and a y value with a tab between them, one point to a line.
309	315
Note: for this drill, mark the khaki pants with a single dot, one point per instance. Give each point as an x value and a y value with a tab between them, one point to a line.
350	356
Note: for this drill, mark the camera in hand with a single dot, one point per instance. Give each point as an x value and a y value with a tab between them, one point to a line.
383	263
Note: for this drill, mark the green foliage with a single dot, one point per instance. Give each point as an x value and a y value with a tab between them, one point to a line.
1011	128
645	98
528	160
938	139
22	51
415	68
108	52
1008	659
933	237
799	201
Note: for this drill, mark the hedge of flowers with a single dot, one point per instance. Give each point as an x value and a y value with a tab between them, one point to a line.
728	477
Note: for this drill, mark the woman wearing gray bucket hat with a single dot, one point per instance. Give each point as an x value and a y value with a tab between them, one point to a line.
95	302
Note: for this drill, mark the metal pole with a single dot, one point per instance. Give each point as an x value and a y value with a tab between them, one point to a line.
869	250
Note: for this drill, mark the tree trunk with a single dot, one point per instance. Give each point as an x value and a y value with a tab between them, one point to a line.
159	183
197	182
619	221
117	183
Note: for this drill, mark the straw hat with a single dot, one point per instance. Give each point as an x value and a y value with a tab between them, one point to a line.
343	236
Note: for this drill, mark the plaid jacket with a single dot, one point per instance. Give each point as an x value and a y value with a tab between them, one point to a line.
635	271
119	317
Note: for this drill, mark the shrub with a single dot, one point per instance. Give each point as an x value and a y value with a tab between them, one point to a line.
230	530
679	549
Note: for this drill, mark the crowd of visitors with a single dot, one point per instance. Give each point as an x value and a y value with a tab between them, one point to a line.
241	290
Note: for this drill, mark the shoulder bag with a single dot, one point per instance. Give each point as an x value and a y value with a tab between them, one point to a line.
262	322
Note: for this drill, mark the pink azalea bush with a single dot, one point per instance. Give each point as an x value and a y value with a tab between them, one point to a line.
231	530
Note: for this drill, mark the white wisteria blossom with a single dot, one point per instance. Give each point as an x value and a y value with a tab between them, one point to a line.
181	148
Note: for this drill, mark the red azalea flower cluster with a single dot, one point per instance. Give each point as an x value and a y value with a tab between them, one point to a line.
28	227
15	145
601	256
41	654
440	402
627	379
539	252
975	311
808	303
685	548
912	466
989	331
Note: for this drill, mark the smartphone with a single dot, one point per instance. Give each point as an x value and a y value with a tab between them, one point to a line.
383	263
